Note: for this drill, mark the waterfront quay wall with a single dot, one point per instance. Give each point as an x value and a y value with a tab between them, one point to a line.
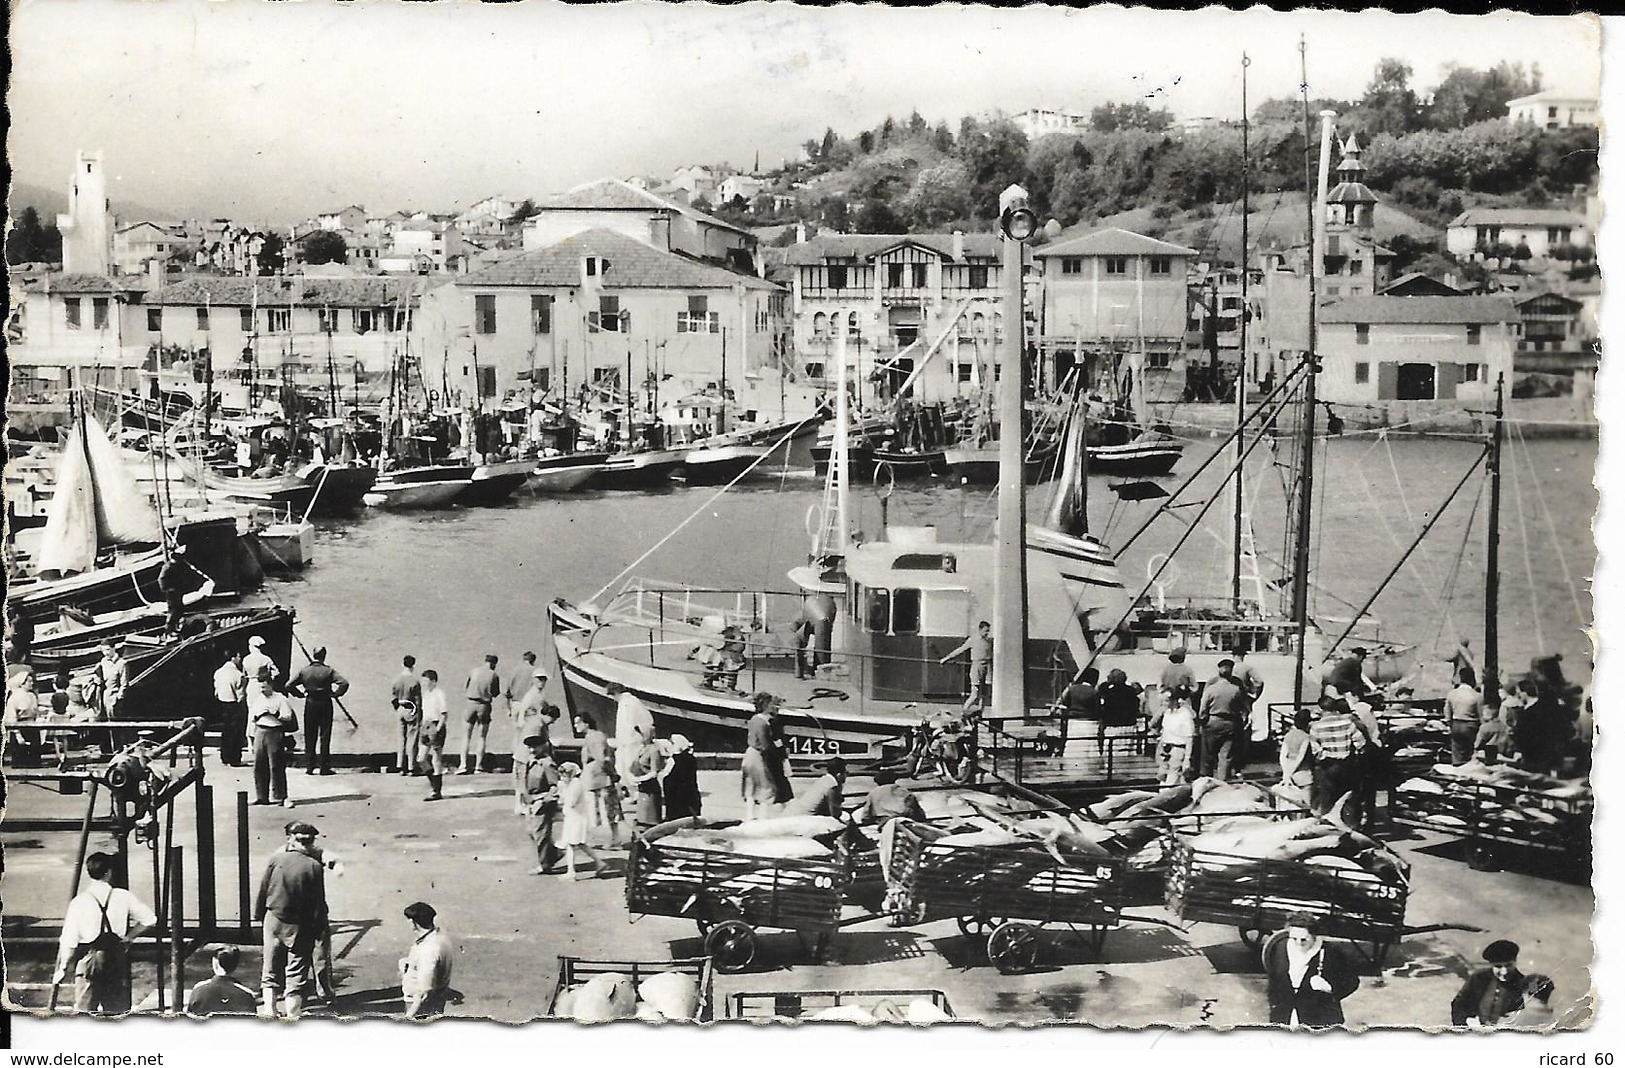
1533	417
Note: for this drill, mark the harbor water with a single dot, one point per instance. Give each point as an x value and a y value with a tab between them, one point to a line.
449	587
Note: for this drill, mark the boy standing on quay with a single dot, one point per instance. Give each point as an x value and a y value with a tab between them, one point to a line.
483	687
406	697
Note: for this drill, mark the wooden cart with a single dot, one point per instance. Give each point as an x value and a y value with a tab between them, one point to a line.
1007	893
1257	896
1489	817
794	1004
730	895
576	970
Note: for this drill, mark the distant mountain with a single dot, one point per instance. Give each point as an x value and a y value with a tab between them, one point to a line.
50	202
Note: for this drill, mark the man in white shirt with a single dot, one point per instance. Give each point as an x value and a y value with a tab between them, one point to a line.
257	664
432	735
426	968
111	675
101	922
230	693
273	720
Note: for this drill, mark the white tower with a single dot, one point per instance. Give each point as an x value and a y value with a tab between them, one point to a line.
87	228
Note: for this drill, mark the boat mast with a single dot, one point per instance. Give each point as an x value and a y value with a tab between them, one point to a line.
839	455
1017	224
722	392
1492	559
1314	197
208	366
1237	518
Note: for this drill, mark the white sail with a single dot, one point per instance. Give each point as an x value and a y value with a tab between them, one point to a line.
68	543
124	515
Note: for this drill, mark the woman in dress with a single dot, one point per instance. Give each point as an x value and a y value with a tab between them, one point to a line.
680	782
643	767
763	782
575	804
1308	979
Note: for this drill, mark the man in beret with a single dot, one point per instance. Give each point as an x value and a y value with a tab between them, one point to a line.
540	799
1491	993
292	906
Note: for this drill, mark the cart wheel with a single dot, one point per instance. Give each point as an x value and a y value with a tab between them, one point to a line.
704	926
731	944
977	926
1480	857
1251	937
1013	947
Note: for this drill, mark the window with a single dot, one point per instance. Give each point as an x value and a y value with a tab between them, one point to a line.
1362	333
964	371
1470	372
852	325
978	325
1160	265
876	610
400	319
486	381
1117	265
98	313
1356	266
820	325
698	319
894	275
327	320
70	308
277	319
155	319
837	277
246	319
485	313
365	320
905	612
203	318
608	317
1362	373
815	369
541	313
1071	265
1557	235
918	271
1475	333
978	277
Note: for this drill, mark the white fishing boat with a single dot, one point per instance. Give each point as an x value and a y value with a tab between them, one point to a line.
566	472
413	494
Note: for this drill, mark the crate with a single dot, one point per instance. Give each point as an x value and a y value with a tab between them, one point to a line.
794	1004
709	886
1011	882
575	970
1258	895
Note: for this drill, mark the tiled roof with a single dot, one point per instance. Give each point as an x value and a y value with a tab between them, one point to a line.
1114	241
1518	217
1422	310
368	292
867	246
1414	277
1539	294
612	194
632	265
1552	95
75	284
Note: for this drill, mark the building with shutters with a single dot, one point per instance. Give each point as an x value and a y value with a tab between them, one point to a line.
666	224
1481	231
1376	349
590	306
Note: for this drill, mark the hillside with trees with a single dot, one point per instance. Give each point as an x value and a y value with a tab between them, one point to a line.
1429	155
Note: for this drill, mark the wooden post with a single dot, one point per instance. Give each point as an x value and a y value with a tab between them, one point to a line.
204	799
177	929
245	905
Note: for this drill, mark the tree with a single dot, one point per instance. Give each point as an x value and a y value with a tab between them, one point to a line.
527	209
995	155
24	243
877	217
1466	96
937	196
324	246
1390	104
942	138
1136	116
272	255
866	142
887	129
834	215
917	126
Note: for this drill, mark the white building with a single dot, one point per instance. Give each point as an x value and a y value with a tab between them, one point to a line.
141	244
1037	122
1477	231
1416	348
1552	110
87	227
666	224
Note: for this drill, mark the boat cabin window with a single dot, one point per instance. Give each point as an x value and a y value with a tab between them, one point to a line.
876	610
944	562
905	612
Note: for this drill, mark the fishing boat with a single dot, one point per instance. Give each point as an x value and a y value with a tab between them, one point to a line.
641	469
282	545
567	472
494	482
176	678
714	462
417	488
1149	455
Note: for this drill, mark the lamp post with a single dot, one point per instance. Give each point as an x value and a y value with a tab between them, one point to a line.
1017	225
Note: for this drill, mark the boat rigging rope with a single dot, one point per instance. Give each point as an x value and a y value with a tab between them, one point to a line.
709	501
1551	527
1528	559
1429	577
1451	578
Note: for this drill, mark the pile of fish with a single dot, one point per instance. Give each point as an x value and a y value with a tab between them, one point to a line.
613	996
920	1011
778	837
1318	842
1497	798
1138	818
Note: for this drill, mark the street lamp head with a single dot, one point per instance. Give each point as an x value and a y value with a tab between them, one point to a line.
1016	219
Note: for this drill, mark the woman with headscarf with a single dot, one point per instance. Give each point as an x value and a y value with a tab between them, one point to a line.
1308	979
680	782
763	782
644	763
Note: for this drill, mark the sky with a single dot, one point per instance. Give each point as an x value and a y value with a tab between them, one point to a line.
270	113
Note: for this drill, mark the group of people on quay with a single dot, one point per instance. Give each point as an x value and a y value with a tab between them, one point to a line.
627	780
